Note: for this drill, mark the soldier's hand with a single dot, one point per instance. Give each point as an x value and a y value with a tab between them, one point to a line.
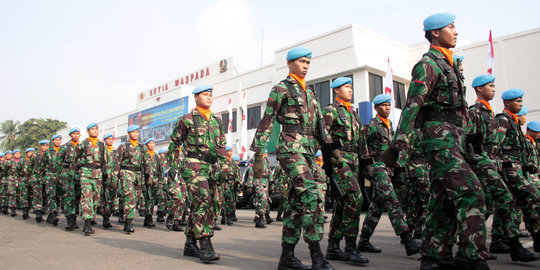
390	157
336	158
258	166
172	173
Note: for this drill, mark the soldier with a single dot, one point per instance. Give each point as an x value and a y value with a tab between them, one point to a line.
176	191
110	181
498	196
343	123
436	104
162	187
3	207
70	179
508	146
378	133
12	181
531	159
233	180
50	169
131	167
296	108
5	178
25	175
37	181
91	161
152	180
282	180
261	184
204	144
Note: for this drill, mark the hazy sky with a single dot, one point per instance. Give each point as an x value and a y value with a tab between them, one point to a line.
83	61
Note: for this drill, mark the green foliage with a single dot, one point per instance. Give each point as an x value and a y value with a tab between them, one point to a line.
29	133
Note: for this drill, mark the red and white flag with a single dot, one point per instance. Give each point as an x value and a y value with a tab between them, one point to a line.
490	56
229	125
243	152
389	90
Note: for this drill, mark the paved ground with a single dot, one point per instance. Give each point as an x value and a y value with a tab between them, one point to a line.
28	245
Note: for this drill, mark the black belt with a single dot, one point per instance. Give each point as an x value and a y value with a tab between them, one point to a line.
296	129
443	116
202	157
66	166
91	166
514	152
349	148
131	168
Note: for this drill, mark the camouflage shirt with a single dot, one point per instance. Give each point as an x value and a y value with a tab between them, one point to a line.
508	141
378	137
88	158
155	169
24	169
66	156
128	155
530	156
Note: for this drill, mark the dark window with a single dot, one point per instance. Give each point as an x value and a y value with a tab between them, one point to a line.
225	120
323	93
375	86
254	117
399	95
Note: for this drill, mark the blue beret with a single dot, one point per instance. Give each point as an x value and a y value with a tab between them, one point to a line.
3	154
56	136
162	150
438	21
91	125
524	111
133	128
236	158
341	81
30	149
459	58
44	142
534	126
266	151
107	135
202	88
382	98
74	129
482	80
512	94
7	152
16	150
228	147
298	52
318	154
149	140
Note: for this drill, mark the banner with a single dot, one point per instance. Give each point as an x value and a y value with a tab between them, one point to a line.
389	90
243	151
490	57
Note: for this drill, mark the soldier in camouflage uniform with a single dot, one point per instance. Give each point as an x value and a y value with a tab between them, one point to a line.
69	178
261	184
25	174
110	181
343	123
3	206
50	169
153	179
296	108
162	187
202	135
282	180
91	161
12	181
37	181
130	166
5	176
176	191
378	133
436	104
508	146
531	160
233	181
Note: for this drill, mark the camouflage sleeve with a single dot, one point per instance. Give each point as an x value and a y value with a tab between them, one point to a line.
178	136
423	80
76	158
273	106
498	137
221	145
370	134
118	158
329	114
326	135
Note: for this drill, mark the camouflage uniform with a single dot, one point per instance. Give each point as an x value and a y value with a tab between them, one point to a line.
129	161
153	180
346	126
12	182
261	188
378	136
176	188
25	175
283	185
530	158
37	182
51	180
69	178
233	180
436	104
110	184
204	146
297	146
3	187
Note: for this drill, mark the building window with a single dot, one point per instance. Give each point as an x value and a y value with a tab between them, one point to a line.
399	95
225	120
375	86
254	117
322	89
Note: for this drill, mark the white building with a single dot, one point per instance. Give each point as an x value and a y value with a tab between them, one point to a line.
348	51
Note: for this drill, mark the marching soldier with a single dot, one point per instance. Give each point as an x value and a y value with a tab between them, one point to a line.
261	185
70	179
233	180
176	191
37	181
531	158
152	180
282	180
436	104
25	174
50	169
296	108
5	179
343	123
12	181
162	187
204	144
110	181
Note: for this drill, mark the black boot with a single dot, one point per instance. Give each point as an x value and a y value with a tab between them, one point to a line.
279	218
39	216
229	220
176	226
268	218
69	226
519	253
216	227
462	263
183	220
121	219
411	246
115	213
54	219
49	218
148	221
288	261
233	216
333	252
447	259
498	246
25	213
365	246
317	258
536	243
5	210
223	220
259	222
160	217
417	232
207	253
429	263
75	226
523	234
106	222
13	212
190	247
354	256
128	226
88	227
169	222
93	221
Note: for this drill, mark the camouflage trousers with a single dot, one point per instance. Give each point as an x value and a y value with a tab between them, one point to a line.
217	190
176	190
22	193
4	198
72	191
346	211
384	198
229	199
37	194
283	197
131	185
456	205
107	199
261	190
90	196
305	202
150	197
52	196
162	199
12	191
418	194
526	195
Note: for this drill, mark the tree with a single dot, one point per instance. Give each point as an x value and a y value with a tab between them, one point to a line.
36	129
9	130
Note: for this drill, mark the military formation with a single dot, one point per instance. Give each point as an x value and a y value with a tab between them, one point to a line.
440	173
